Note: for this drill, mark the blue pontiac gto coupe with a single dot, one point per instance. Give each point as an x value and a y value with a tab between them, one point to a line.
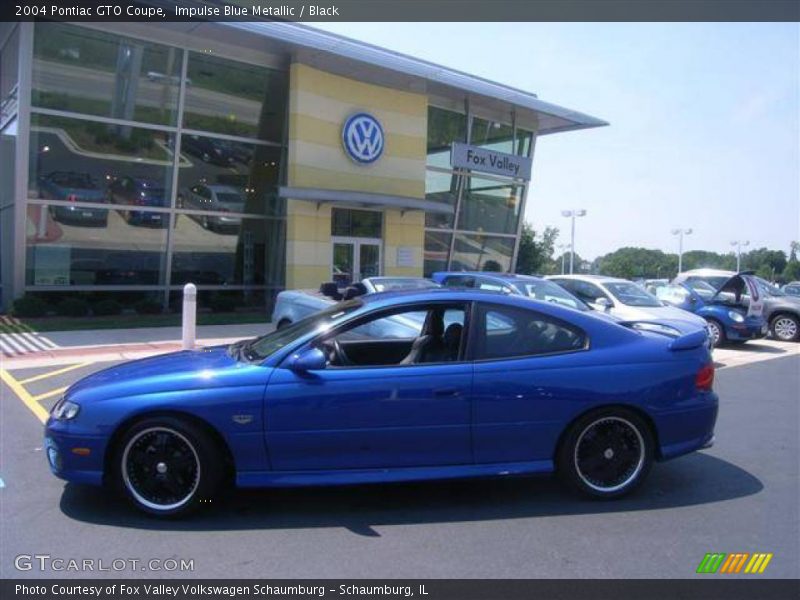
395	386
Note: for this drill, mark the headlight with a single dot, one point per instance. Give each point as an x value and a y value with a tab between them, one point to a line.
735	316
65	410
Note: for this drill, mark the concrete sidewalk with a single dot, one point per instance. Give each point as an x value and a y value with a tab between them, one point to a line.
127	344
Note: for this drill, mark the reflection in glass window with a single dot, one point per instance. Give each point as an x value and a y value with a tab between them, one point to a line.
490	205
522	146
444	128
223	250
82	161
92	72
93	246
441	187
226	96
437	248
356	223
482	253
493	135
9	66
227	176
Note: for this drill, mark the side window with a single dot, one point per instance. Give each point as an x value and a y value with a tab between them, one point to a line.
432	334
507	331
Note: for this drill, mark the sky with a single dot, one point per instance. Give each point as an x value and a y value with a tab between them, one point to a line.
704	123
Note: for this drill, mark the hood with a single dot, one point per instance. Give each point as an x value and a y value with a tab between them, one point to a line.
186	370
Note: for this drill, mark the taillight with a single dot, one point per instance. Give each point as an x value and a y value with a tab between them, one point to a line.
704	380
72	198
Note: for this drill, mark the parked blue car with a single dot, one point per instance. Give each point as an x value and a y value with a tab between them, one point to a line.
509	386
734	312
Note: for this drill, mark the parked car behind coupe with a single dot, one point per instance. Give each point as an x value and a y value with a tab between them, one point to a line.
781	311
294	305
510	386
731	313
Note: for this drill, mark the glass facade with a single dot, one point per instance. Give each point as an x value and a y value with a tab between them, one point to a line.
480	232
142	178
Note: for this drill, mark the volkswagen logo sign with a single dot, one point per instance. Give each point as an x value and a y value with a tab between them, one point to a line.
362	137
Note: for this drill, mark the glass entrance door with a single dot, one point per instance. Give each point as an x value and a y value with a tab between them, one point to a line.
355	259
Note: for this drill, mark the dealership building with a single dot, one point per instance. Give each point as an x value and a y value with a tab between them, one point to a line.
248	158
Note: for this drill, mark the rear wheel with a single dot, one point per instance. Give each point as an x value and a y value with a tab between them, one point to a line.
167	467
607	453
717	332
786	328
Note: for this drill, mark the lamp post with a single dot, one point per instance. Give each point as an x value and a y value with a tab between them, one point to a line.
563	248
680	233
572	214
738	245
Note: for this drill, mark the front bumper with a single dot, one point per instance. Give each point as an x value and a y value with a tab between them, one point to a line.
747	331
77	457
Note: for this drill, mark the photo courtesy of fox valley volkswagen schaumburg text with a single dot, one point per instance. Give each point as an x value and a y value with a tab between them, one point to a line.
353	299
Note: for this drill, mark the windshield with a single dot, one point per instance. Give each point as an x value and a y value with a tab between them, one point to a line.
631	294
703	289
547	291
262	347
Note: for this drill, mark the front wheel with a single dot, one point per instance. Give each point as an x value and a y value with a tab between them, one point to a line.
167	467
717	332
786	328
606	454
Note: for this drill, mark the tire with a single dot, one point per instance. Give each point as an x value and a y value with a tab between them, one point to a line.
785	328
283	323
167	467
606	454
717	332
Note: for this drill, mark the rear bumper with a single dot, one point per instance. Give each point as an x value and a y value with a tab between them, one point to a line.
747	331
689	428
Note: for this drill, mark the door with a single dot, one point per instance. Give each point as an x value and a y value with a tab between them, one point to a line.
355	259
525	381
395	393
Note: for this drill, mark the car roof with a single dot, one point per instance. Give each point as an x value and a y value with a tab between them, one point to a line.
587	277
495	275
707	271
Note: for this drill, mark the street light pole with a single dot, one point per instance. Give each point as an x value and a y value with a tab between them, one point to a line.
563	248
572	214
680	233
738	244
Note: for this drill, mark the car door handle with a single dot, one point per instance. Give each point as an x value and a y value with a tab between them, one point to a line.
447	392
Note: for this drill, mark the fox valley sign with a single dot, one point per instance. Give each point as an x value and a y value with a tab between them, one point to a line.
464	156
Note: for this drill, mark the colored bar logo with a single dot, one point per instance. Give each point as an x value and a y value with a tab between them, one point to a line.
719	562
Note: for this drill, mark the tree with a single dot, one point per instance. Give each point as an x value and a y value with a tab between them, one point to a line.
632	263
764	260
535	253
792	271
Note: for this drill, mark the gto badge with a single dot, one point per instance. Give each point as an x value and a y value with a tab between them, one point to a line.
242	419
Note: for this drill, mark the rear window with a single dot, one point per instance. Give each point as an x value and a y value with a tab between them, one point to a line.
512	332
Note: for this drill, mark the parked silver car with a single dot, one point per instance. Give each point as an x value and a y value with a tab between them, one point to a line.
218	198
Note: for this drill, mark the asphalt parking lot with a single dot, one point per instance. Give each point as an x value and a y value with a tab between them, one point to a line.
739	496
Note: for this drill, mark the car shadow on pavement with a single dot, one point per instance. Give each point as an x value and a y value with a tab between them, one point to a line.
754	348
692	480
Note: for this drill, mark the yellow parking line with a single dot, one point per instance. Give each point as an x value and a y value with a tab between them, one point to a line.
36	408
52	373
49	394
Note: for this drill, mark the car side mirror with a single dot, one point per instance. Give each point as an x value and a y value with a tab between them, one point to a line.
603	303
312	359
